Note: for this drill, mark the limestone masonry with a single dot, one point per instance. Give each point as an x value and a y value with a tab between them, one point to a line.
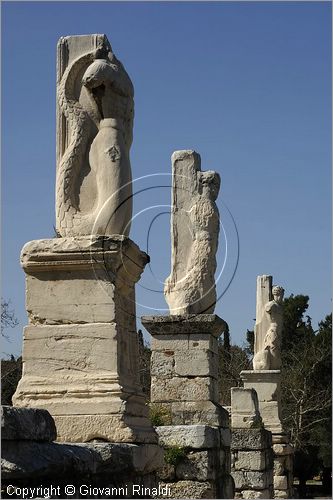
80	414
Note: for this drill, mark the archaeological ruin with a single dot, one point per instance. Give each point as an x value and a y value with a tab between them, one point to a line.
80	415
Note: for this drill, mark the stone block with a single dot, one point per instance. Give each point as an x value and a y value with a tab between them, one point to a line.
265	382
196	362
184	389
282	494
188	436
244	408
184	324
71	351
280	482
74	280
108	427
184	342
198	341
251	460
249	494
170	342
270	414
282	449
167	473
27	424
35	460
243	400
198	465
252	479
162	363
199	412
70	297
191	489
250	439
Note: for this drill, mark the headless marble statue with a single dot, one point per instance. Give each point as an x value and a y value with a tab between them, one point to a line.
269	324
95	105
190	288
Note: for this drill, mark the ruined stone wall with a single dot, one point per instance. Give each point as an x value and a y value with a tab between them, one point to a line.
34	466
252	463
197	461
192	427
251	447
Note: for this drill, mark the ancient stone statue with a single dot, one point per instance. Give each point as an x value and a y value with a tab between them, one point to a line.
95	121
269	323
190	288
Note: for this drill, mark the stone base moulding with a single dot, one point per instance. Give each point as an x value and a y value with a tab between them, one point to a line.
267	385
80	350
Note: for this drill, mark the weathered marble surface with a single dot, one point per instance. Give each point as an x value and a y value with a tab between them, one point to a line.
269	324
266	383
31	459
244	408
252	439
190	288
184	324
189	436
94	135
80	349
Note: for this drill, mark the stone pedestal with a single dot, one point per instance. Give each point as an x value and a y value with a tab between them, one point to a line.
184	395
251	447
267	385
80	350
184	368
245	409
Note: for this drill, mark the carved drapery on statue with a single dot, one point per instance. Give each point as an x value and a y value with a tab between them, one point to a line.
94	131
269	324
190	288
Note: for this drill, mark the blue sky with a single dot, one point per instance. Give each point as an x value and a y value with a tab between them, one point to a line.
245	84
